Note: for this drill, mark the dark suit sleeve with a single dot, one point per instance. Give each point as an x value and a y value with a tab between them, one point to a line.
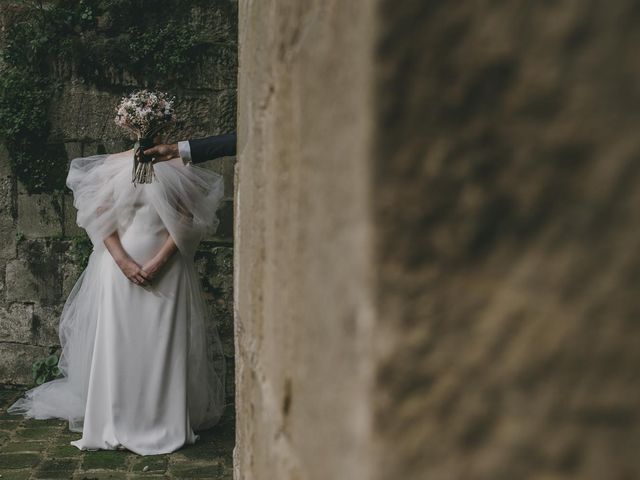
208	148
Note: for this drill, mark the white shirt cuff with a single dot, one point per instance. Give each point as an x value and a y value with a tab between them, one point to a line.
184	150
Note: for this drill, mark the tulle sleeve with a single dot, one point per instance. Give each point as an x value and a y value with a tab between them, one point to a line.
187	197
92	180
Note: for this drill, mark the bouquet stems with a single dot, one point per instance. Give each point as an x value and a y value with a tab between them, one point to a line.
142	164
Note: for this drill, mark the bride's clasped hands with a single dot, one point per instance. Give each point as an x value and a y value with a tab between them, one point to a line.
145	274
141	275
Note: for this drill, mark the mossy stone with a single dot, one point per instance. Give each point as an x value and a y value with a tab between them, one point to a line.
18	460
104	475
67	464
36	433
104	460
188	470
24	447
15	474
156	463
65	451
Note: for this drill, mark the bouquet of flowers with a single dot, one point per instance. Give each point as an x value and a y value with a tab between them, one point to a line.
145	113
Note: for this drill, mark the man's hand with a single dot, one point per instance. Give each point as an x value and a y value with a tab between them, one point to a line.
163	152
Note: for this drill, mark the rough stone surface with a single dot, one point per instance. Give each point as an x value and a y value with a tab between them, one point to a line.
464	274
21	285
16	322
16	360
40	215
70	227
7	214
45	324
303	311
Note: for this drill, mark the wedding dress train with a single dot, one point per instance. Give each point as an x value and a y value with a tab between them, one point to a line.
142	371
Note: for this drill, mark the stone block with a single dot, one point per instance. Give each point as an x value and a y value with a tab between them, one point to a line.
37	433
70	227
73	149
112	460
70	274
16	360
8	242
79	111
224	232
157	463
230	380
93	148
7	202
215	268
224	117
193	117
16	322
40	215
216	68
24	474
217	22
226	167
46	319
66	451
25	447
20	283
191	471
18	460
7	218
5	165
20	187
54	465
34	276
2	281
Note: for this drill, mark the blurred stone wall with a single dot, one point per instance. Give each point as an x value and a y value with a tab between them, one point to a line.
436	246
38	231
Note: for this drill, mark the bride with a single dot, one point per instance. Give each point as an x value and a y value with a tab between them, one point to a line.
141	370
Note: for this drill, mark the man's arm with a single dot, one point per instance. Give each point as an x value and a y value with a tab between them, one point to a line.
197	150
208	148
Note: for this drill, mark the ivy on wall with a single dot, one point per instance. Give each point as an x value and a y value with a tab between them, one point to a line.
152	40
80	250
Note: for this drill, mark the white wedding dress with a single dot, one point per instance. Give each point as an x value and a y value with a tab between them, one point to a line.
142	370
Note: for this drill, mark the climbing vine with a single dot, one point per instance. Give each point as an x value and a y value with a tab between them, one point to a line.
151	40
80	249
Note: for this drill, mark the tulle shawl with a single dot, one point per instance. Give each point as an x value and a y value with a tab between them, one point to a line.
185	196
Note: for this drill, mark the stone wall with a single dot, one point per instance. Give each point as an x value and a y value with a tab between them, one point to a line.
303	241
436	243
39	238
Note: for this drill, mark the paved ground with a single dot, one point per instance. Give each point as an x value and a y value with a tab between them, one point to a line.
39	449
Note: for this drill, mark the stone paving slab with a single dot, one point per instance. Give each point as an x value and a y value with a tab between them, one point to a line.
39	450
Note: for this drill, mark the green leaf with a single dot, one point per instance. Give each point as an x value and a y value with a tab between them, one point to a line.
51	360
